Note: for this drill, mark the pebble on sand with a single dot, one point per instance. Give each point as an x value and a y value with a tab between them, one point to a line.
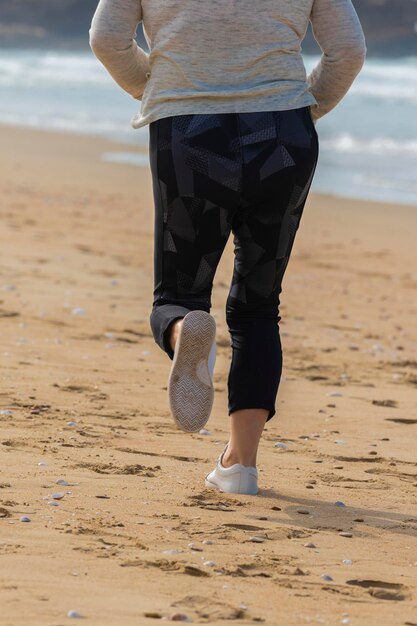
209	563
334	394
310	545
6	412
78	311
281	445
326	577
180	617
345	534
203	431
25	518
58	496
339	503
74	614
62	482
257	539
347	562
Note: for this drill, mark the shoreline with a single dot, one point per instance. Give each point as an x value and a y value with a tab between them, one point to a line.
135	535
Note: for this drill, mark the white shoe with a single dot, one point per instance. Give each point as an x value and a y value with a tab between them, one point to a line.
190	383
234	479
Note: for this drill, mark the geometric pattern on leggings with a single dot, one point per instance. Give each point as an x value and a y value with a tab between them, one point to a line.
246	173
215	174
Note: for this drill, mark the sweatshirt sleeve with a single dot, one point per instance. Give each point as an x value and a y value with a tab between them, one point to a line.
337	29
112	40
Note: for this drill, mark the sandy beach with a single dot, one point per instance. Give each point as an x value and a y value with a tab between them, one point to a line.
132	536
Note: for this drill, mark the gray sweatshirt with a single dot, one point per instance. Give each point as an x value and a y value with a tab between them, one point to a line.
225	56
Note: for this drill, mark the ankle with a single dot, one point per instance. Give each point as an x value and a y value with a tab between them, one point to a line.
174	331
231	457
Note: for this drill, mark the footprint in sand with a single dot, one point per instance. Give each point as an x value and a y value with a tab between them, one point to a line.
109	468
401	420
244	527
213	503
176	457
382	590
388	403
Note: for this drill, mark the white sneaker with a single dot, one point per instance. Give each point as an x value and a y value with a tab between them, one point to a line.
190	383
234	479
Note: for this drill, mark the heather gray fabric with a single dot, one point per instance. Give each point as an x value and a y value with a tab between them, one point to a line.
228	56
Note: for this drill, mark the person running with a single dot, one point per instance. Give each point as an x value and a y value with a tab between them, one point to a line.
233	148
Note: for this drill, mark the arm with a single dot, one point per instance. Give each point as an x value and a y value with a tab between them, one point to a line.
337	30
112	33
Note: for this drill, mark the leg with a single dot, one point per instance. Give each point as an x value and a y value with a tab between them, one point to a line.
246	427
192	216
278	173
173	332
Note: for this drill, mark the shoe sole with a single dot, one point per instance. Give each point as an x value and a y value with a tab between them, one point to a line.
190	388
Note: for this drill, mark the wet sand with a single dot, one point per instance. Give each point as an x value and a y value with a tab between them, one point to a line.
136	536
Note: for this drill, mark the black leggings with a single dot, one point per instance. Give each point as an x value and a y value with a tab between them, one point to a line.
245	173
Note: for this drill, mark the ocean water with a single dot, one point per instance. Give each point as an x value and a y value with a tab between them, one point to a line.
368	143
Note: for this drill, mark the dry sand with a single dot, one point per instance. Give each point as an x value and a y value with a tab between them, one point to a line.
137	536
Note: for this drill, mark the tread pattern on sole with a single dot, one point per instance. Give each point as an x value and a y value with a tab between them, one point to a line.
190	387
